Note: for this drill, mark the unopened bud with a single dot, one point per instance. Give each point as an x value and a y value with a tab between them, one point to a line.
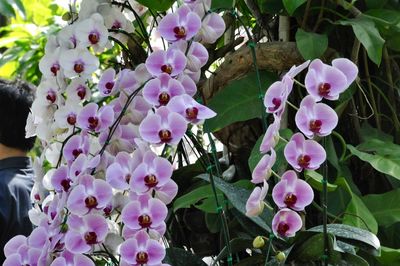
64	228
258	242
67	16
280	256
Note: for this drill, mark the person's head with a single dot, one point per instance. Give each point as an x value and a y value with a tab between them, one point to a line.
16	98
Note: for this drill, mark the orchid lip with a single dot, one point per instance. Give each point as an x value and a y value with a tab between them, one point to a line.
324	89
91	238
142	258
91	202
304	161
79	68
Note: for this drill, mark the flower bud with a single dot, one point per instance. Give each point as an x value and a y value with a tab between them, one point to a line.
280	256
258	242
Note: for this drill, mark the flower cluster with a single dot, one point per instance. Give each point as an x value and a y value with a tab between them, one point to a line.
313	119
107	189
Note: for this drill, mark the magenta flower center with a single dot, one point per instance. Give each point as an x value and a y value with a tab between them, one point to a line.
51	96
79	68
283	228
324	89
66	184
144	221
109	86
91	238
128	178
277	103
163	99
93	122
81	92
150	181
76	152
166	69
165	135
315	125
290	200
54	69
304	161
192	113
91	202
71	119
180	32
116	25
142	257
107	211
37	197
94	37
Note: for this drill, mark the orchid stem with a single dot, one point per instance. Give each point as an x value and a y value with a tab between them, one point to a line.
292	105
220	209
275	174
299	83
252	45
325	206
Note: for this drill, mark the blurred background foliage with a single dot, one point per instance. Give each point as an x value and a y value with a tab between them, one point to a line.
363	153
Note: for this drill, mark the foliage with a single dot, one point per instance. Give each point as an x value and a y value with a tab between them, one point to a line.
363	155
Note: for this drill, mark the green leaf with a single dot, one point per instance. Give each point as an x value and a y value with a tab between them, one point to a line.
270	6
292	5
383	16
312	249
389	256
6	9
158	5
357	214
223	4
382	163
20	7
367	33
213	222
368	132
311	45
181	257
238	197
347	232
238	101
380	147
375	4
315	180
385	207
197	195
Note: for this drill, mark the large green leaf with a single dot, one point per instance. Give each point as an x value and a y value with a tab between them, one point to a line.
368	132
366	32
383	16
389	256
223	4
238	101
315	180
357	214
6	9
270	6
292	5
238	197
380	147
383	163
158	5
347	232
20	6
311	45
385	207
181	257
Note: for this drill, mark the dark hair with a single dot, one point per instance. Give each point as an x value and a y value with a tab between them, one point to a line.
16	98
